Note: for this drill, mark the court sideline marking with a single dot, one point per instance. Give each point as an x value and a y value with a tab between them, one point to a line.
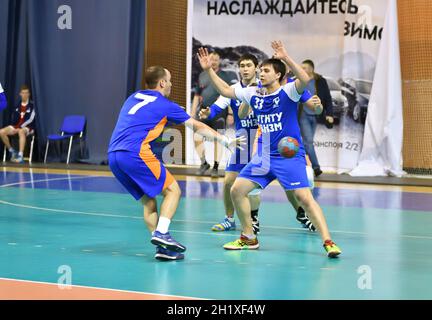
323	184
44	180
54	290
179	220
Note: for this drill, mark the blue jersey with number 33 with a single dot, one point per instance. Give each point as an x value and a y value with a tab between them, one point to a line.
276	114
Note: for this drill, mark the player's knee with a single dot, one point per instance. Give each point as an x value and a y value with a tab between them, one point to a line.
149	210
228	182
175	189
234	192
304	197
2	132
237	191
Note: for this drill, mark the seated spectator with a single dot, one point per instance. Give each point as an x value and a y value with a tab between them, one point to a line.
22	125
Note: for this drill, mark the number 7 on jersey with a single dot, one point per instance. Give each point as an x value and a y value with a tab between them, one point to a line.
145	99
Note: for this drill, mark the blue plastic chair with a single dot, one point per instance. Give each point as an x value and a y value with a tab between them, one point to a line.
72	126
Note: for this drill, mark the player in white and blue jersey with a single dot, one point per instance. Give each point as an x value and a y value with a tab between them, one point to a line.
246	126
275	108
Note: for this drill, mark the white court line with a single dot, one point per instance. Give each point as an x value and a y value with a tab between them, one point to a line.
185	221
44	180
107	215
109	289
139	218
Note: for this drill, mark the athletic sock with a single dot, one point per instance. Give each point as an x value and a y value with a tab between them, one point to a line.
11	150
20	154
203	160
163	225
300	210
254	215
250	236
230	219
216	165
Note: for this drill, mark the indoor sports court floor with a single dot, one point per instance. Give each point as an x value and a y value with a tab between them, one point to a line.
85	221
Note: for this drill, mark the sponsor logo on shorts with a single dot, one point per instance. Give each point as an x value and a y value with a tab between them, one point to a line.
295	183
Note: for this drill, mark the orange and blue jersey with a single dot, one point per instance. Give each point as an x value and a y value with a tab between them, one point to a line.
142	120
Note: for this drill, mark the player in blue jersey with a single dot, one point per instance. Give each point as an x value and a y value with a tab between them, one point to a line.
141	120
275	108
246	125
3	102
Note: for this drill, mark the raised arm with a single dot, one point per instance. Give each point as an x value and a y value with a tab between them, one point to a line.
195	103
221	86
244	110
281	53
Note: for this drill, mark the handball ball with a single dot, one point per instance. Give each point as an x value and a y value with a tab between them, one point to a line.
288	147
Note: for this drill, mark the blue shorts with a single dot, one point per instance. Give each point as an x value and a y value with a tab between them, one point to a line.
141	174
238	160
290	172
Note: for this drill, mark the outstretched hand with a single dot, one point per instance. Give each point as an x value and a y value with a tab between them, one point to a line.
279	50
204	58
236	143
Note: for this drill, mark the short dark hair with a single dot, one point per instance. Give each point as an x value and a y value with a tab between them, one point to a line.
278	66
248	56
309	62
24	87
215	53
153	75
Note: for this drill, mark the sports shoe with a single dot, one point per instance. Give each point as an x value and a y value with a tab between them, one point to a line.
165	254
317	172
332	249
225	225
304	220
215	173
14	155
18	159
165	239
242	244
203	168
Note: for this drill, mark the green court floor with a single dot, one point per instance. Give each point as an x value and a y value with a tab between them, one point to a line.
99	233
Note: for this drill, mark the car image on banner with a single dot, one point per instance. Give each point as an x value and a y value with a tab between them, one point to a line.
343	49
357	92
340	102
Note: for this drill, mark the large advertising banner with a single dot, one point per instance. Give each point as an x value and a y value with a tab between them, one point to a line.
341	37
